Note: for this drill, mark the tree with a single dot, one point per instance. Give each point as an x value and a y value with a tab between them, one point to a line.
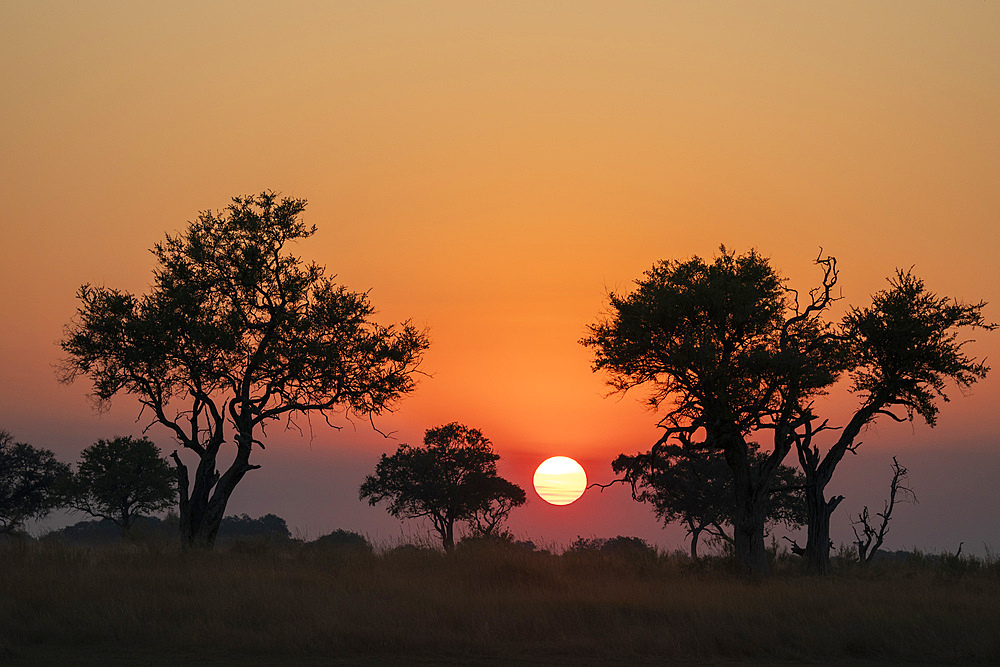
726	352
122	479
30	483
236	333
905	349
453	477
730	351
874	536
695	488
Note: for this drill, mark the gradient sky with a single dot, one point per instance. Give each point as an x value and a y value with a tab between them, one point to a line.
491	171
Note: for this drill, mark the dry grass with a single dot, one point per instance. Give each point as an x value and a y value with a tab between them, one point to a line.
289	604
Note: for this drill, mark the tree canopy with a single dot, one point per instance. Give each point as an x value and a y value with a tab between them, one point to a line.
234	333
31	480
122	479
694	487
453	477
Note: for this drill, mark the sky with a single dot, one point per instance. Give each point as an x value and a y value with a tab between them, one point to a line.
491	171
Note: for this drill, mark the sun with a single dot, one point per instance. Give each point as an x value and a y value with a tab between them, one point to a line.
560	480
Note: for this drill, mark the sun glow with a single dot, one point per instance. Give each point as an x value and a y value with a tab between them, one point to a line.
560	480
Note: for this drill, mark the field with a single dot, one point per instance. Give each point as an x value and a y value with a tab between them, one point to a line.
263	603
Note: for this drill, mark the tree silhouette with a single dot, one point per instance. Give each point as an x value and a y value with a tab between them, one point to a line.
235	333
695	488
122	479
726	353
905	348
344	540
453	477
244	526
871	537
729	351
31	480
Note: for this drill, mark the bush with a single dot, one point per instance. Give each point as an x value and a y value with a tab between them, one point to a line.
99	532
627	548
346	540
243	527
504	541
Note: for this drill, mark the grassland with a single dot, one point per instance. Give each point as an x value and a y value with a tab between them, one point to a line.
290	604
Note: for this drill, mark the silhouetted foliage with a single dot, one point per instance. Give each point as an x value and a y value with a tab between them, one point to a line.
695	488
237	332
626	548
725	352
31	482
729	351
453	477
904	349
100	532
344	539
242	526
504	540
120	480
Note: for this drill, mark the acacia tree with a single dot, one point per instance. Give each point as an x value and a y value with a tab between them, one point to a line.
730	351
235	333
695	489
31	482
122	479
905	349
453	477
726	351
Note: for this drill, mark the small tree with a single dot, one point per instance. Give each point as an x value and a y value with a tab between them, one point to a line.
236	333
871	537
453	477
694	487
31	480
122	479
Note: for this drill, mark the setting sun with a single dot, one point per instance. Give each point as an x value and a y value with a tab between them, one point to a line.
560	480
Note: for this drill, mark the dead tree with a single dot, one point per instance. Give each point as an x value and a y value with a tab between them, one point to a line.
870	538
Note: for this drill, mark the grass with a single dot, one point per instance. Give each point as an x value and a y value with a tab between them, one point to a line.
488	604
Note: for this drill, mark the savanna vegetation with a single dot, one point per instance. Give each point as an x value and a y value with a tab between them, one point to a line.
237	333
486	602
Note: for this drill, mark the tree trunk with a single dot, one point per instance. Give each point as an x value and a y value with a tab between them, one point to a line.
748	526
126	521
695	535
818	474
448	537
748	540
196	530
201	511
818	512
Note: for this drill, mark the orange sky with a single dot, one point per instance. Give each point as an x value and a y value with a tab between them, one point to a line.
491	171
